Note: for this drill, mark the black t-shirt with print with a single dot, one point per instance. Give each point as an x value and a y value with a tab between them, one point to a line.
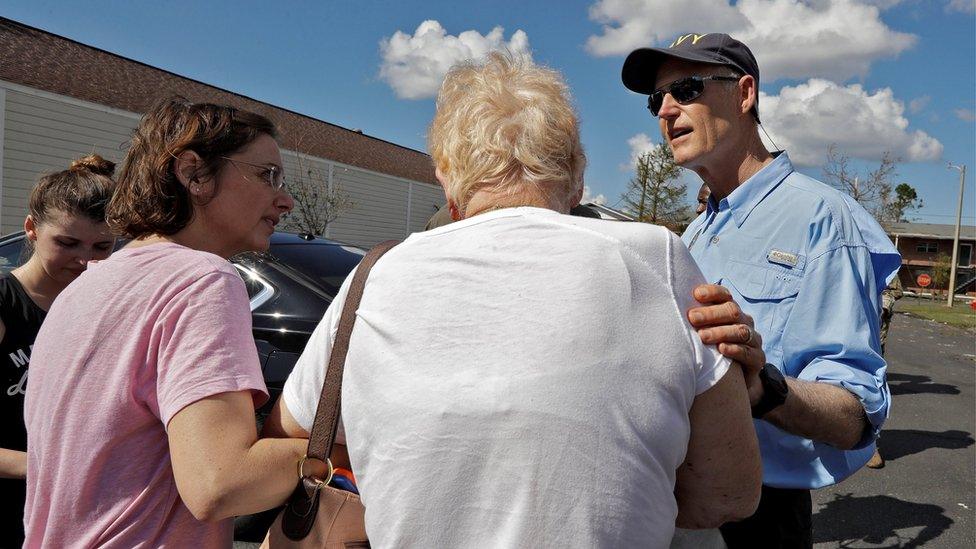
22	319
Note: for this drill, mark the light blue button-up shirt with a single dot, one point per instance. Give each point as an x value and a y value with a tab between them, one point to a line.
808	264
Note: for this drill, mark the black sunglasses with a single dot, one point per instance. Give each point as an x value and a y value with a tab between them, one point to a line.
683	91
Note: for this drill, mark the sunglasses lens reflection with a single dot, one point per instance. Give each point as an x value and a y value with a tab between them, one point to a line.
654	102
687	90
683	91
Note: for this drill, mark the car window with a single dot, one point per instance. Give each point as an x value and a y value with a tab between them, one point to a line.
327	265
11	255
253	285
259	291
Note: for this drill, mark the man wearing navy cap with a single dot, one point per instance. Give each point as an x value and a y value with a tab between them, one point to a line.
804	260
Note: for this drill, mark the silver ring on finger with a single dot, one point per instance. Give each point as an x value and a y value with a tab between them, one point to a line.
752	335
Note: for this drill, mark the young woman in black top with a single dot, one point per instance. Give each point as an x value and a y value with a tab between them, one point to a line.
66	229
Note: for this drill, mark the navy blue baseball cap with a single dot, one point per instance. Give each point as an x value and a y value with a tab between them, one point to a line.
640	68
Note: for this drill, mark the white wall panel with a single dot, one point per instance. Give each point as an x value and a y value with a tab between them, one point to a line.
424	202
379	207
43	134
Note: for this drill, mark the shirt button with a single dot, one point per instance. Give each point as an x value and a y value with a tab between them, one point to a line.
714	240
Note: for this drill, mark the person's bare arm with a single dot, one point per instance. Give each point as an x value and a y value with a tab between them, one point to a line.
822	412
13	463
221	467
281	424
721	477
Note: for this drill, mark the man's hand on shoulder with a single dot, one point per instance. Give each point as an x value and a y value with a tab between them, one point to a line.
721	322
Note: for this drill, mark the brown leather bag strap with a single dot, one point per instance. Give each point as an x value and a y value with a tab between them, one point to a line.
323	433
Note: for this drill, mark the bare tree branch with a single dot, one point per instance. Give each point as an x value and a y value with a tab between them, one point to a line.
875	192
319	199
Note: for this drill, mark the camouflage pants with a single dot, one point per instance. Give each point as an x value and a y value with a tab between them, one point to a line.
886	315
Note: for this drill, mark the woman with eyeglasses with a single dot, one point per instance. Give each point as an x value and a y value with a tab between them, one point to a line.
145	377
65	229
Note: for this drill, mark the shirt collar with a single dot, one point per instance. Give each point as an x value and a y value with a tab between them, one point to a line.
748	195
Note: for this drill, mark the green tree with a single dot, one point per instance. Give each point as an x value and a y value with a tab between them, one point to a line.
905	200
940	271
654	194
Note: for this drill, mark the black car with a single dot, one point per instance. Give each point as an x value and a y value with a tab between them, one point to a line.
290	286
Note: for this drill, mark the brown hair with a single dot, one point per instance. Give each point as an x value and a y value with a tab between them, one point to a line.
150	199
84	189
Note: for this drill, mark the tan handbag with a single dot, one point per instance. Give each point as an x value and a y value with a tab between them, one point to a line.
318	515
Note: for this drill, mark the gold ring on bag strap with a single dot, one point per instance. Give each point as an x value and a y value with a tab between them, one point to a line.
319	482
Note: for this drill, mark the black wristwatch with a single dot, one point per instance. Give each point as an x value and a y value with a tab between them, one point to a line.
774	391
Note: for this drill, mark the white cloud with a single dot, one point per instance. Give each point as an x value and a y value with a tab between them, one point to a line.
883	4
965	115
835	39
415	65
588	197
961	6
638	144
916	105
630	24
805	119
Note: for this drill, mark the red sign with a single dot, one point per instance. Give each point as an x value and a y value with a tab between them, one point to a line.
924	280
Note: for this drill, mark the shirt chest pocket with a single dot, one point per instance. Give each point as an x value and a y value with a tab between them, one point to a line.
768	289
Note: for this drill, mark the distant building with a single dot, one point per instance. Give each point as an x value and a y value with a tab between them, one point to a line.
920	244
60	99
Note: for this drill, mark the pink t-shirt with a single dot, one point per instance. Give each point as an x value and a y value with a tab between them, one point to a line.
134	340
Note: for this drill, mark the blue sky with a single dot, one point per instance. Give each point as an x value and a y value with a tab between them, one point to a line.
868	75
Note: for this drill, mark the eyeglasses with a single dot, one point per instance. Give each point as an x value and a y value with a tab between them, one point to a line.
683	91
272	175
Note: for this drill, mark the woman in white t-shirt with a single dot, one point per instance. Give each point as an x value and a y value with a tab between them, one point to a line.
523	378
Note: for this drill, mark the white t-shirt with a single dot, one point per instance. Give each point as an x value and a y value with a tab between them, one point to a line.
521	378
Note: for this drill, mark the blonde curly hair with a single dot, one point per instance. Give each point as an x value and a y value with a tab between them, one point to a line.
508	126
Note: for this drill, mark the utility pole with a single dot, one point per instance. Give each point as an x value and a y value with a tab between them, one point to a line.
955	242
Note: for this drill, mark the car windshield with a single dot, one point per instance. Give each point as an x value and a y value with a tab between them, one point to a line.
326	264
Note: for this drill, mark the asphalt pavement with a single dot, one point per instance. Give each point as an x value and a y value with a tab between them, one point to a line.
924	496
